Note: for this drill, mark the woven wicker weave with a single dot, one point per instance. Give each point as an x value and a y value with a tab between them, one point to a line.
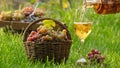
56	50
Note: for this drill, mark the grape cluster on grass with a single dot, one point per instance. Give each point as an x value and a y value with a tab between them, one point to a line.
95	56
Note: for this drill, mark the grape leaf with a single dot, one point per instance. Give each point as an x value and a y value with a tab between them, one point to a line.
49	23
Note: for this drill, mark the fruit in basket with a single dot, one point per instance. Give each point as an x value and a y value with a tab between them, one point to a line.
33	36
95	56
42	29
49	23
6	16
22	15
17	15
62	34
27	10
39	13
47	32
46	38
2	15
9	15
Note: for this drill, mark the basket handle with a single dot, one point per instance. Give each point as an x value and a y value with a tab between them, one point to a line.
41	19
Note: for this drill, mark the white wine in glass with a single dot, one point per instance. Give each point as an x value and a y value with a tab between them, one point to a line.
82	29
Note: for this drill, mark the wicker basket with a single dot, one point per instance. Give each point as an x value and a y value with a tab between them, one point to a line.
56	50
16	26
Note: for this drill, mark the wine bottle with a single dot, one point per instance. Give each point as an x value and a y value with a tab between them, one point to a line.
104	6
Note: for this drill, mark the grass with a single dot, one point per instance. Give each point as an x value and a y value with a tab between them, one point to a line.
104	37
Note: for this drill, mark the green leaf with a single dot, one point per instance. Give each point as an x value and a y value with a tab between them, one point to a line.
49	23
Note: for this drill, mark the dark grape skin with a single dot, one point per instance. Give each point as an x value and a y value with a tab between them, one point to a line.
90	53
95	56
96	52
27	13
93	50
100	59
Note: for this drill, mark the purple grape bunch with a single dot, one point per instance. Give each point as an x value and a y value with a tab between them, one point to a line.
95	56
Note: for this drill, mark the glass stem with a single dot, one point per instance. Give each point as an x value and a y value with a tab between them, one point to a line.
82	45
82	42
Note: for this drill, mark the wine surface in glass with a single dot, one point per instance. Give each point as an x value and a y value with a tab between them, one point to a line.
82	30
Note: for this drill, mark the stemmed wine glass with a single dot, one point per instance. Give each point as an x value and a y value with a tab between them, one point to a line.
82	28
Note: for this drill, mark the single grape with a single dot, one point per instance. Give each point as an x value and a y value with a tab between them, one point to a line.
42	30
96	56
99	60
27	13
96	51
29	39
43	38
88	57
102	57
90	53
54	34
92	56
33	32
93	50
35	37
38	29
48	37
61	35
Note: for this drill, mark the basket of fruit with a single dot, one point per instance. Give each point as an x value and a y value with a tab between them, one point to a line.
19	19
50	41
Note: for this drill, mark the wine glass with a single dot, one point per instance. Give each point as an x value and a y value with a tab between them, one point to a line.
82	30
83	26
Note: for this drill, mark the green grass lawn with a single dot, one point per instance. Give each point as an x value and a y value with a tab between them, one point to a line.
104	37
